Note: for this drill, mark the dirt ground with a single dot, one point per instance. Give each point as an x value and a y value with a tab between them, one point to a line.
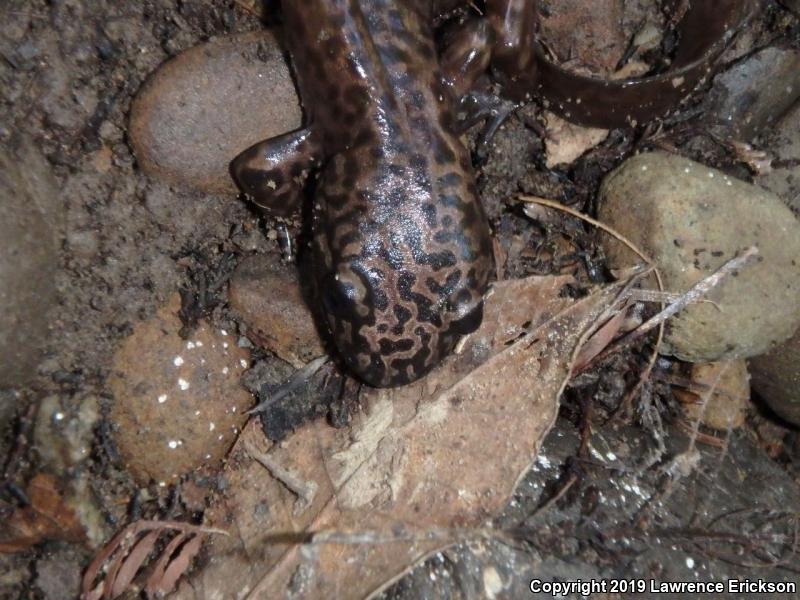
68	72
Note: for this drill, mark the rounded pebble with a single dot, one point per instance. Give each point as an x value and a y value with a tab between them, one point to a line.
784	177
690	224
727	403
205	106
776	379
178	404
266	294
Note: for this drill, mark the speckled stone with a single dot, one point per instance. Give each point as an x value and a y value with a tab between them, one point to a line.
750	97
691	219
178	404
202	108
784	177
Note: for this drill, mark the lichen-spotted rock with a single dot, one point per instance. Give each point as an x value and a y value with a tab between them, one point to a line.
691	219
178	404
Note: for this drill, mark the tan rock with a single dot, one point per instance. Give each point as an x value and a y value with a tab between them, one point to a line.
729	386
266	294
691	219
784	178
776	379
178	404
202	108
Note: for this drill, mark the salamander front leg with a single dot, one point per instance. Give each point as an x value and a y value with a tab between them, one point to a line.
464	62
273	173
514	61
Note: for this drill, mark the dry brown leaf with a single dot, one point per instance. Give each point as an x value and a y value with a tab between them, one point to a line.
47	517
128	551
600	340
175	569
421	466
134	560
567	141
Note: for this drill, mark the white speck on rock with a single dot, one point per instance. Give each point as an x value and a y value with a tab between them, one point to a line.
177	361
183	384
492	582
162	398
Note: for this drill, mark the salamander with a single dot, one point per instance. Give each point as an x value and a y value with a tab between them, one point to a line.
401	247
402	250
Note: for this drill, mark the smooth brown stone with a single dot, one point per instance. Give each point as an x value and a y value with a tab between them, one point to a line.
203	107
266	294
776	379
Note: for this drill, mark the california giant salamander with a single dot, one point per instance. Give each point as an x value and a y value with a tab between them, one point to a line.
402	251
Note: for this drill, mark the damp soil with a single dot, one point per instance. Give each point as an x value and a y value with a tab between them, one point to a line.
68	72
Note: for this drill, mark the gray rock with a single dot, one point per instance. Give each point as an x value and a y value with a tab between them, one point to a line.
58	574
755	93
200	109
691	219
30	217
793	5
784	179
776	378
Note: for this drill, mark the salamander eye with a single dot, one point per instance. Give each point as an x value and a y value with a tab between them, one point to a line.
470	321
337	297
466	314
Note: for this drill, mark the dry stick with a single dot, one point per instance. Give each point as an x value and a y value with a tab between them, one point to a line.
659	282
295	381
695	292
304	490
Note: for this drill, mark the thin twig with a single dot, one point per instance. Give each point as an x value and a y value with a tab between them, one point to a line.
304	490
297	379
626	401
695	292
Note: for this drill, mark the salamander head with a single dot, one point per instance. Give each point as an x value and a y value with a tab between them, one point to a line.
389	327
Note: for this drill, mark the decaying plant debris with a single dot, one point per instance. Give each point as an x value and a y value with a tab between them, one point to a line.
551	444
